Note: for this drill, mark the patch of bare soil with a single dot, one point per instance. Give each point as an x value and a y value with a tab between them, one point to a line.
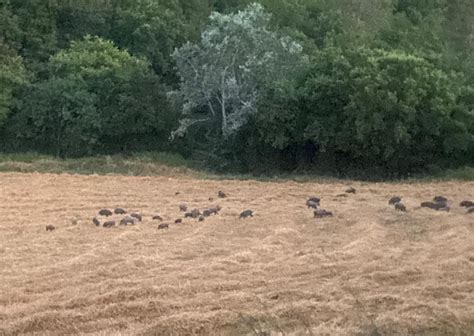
367	270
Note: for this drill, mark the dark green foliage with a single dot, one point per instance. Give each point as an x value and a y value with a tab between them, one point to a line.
104	102
10	32
35	31
12	70
75	22
370	107
12	75
63	122
389	88
400	112
151	29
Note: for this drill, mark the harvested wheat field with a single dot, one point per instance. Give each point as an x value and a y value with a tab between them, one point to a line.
369	270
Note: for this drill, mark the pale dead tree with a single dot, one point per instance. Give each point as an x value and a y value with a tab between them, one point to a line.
222	75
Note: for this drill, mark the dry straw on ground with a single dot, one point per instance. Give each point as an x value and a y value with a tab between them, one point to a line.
367	270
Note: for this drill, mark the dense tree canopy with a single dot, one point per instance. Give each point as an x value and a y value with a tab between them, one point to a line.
12	74
96	95
274	83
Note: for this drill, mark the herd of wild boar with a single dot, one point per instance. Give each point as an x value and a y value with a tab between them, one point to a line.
439	203
135	217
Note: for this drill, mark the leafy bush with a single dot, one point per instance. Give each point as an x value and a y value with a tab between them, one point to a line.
372	107
107	98
12	75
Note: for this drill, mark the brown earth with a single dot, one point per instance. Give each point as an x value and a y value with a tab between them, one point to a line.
369	270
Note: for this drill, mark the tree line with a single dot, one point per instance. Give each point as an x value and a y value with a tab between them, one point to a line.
380	86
